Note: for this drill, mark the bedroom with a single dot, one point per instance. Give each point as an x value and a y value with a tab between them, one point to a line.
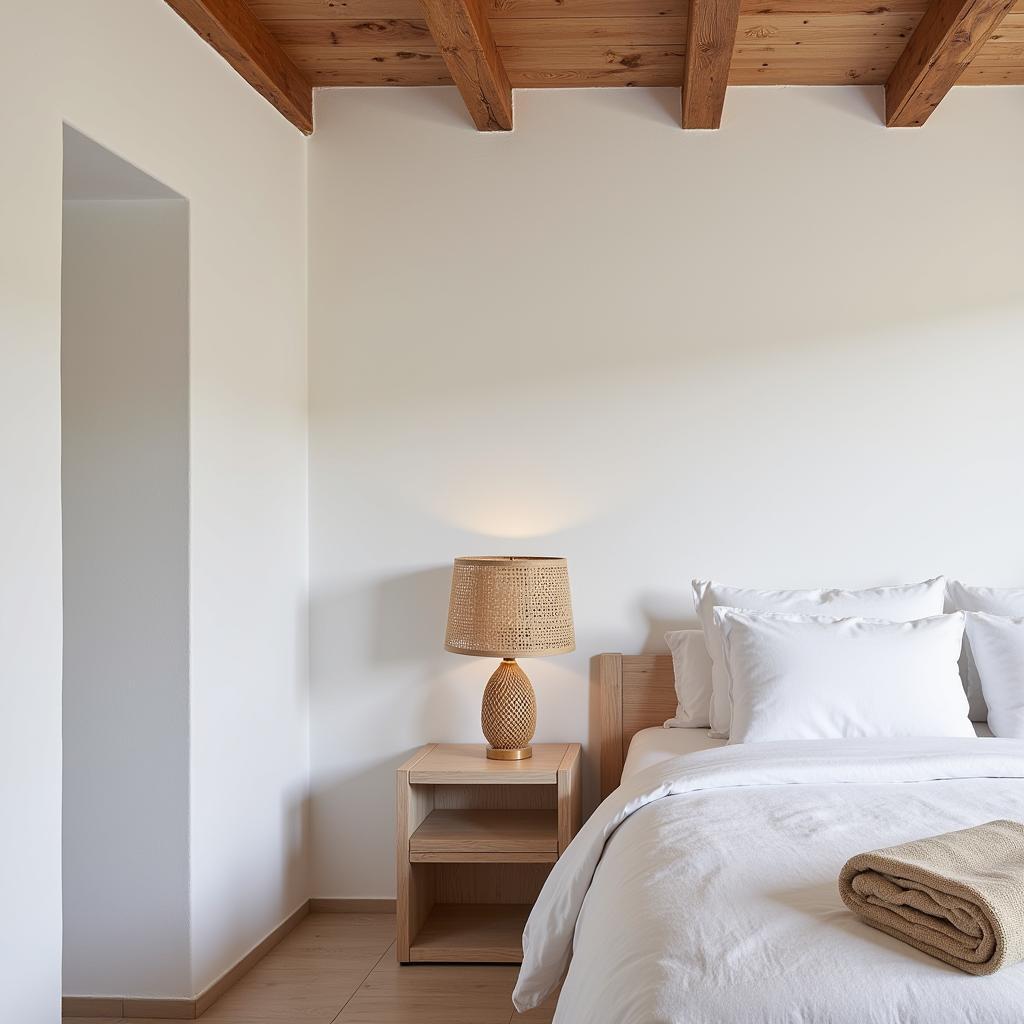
783	353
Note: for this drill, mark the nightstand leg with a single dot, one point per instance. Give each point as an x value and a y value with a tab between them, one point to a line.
415	885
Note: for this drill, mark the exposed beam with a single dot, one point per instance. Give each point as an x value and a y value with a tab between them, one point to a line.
946	40
710	38
463	35
231	28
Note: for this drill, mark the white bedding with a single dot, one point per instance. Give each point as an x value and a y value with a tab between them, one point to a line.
704	888
651	746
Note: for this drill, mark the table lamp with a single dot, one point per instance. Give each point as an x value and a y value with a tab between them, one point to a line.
509	607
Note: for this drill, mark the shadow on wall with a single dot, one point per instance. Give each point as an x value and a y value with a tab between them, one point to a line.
295	835
664	105
390	622
355	795
408	615
396	625
663	611
413	692
445	108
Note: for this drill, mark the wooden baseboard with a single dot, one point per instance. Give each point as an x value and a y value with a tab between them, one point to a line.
331	905
160	1009
213	992
181	1009
91	1006
117	1006
189	1009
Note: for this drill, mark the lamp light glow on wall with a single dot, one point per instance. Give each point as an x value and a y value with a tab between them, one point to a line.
505	606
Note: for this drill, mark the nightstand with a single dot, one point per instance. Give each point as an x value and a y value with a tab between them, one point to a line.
476	839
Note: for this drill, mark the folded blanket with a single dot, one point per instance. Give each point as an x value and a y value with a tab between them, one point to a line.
957	896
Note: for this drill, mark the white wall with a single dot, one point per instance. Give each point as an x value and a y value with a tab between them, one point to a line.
177	111
124	477
787	353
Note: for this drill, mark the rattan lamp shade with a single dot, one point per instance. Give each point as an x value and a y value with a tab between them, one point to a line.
509	607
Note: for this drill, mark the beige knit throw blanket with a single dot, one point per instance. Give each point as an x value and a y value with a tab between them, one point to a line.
957	896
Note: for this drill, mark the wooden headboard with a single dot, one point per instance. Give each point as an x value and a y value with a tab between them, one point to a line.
636	692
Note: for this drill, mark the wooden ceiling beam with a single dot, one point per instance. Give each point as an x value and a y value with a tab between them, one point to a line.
946	40
231	28
463	35
710	40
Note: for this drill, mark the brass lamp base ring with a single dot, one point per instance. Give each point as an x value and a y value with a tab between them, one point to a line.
509	754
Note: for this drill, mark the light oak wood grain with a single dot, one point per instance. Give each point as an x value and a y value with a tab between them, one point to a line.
425	994
160	1009
456	932
555	33
185	1009
710	41
343	968
415	882
949	36
542	1014
271	11
489	47
487	883
234	974
495	796
331	938
481	834
340	905
571	10
463	836
1001	59
92	1006
408	68
615	62
648	693
635	692
570	796
352	34
232	29
607	670
304	993
467	764
463	35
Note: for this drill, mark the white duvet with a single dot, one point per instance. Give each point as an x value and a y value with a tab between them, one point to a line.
704	889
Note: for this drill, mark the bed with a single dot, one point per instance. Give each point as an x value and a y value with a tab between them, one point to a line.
703	889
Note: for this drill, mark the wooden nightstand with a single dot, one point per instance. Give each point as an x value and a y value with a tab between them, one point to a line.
476	839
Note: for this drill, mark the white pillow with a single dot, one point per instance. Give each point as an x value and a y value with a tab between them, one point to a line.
899	604
804	677
993	601
997	643
692	669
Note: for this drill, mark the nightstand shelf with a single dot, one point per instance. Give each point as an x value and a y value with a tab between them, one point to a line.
461	932
478	835
476	840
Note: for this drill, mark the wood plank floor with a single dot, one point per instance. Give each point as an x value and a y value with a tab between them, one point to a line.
341	969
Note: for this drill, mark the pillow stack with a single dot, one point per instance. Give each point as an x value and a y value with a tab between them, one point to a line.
691	666
899	604
796	677
997	646
1008	603
808	664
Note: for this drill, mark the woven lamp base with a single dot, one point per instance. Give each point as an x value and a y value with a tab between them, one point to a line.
508	715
